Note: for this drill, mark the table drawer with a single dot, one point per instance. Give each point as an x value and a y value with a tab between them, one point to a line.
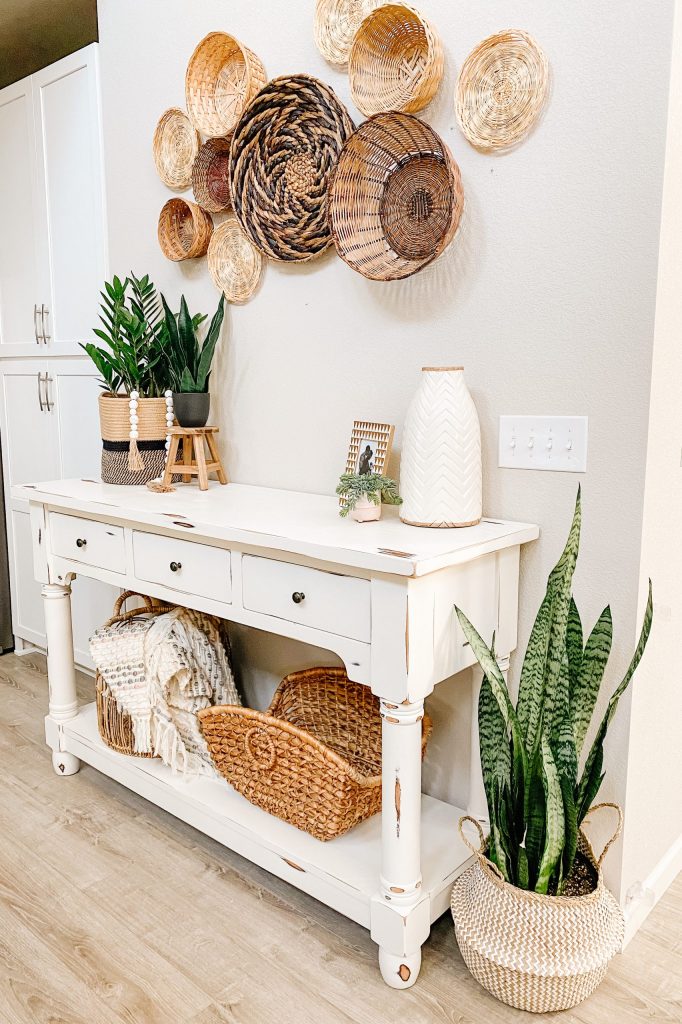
192	568
323	600
87	541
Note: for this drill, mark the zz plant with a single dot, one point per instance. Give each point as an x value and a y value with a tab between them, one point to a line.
530	754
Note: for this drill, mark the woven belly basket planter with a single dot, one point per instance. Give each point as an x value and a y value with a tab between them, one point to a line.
535	952
120	465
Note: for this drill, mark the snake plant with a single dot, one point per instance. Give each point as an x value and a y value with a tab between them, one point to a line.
539	781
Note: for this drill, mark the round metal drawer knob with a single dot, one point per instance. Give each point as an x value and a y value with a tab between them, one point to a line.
297	597
81	542
175	566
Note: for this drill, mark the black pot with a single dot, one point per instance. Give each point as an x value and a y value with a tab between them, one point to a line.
191	408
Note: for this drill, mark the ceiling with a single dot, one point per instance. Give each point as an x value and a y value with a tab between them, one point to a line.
35	33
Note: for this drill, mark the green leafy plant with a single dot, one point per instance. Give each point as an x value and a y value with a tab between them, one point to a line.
354	486
189	360
530	754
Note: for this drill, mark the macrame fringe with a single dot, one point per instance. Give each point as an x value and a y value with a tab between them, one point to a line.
159	488
135	460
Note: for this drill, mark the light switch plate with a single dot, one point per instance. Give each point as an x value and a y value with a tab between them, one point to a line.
556	443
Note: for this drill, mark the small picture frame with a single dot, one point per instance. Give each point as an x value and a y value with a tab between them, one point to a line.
370	447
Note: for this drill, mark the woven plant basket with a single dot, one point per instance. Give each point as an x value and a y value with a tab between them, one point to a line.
283	151
535	952
175	146
184	230
222	78
210	176
395	61
313	758
114	418
501	90
234	263
336	22
396	197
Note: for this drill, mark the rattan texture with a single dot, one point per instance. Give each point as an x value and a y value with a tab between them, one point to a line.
501	90
396	198
175	146
283	152
114	418
234	263
335	25
210	176
222	78
534	952
395	61
184	230
313	758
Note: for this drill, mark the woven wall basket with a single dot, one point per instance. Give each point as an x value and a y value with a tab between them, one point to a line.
501	90
184	230
395	61
222	78
234	263
114	417
283	151
210	176
175	146
336	22
534	952
396	197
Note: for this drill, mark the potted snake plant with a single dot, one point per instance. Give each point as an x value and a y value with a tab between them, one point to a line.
190	361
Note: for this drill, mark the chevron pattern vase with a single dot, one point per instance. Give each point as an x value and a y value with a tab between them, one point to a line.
440	469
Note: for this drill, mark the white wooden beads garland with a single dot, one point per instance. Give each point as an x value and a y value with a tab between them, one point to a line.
135	460
170	420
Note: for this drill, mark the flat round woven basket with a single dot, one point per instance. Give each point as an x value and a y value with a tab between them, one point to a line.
283	151
395	61
396	198
222	78
175	145
184	230
501	90
336	22
234	263
210	176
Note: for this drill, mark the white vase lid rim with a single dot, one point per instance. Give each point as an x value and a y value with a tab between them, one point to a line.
440	369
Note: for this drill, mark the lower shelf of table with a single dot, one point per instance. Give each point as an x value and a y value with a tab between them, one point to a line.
343	873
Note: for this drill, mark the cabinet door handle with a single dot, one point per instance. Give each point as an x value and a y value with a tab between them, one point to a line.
35	323
44	311
40	392
298	597
48	402
175	566
81	542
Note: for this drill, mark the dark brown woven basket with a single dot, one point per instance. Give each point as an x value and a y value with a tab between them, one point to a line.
210	176
396	197
313	758
184	230
283	151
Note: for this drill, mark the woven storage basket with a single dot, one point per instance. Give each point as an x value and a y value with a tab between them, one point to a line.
336	22
534	952
396	197
175	146
395	61
114	418
210	176
313	759
283	151
184	230
115	726
234	263
222	78
501	90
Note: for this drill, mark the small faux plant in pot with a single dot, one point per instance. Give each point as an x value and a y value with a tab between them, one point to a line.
190	361
362	494
534	922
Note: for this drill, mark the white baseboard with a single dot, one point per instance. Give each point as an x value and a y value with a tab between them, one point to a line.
643	896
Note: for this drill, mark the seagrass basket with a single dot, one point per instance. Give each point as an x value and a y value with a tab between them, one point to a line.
335	25
149	462
313	758
535	952
395	61
234	263
210	176
175	146
396	197
222	78
184	230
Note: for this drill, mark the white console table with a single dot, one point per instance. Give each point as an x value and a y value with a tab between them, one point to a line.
379	595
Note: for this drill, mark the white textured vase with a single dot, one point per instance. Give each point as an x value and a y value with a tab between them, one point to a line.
440	467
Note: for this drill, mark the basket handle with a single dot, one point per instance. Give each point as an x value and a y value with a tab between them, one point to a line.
480	852
121	600
619	828
152	607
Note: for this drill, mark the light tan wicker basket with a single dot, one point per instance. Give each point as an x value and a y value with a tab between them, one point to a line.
336	22
184	230
114	418
395	61
234	263
313	759
222	78
534	952
175	146
210	176
501	90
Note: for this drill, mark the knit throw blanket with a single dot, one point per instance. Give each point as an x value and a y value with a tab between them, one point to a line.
161	671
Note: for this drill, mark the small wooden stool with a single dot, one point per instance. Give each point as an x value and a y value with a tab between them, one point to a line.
193	457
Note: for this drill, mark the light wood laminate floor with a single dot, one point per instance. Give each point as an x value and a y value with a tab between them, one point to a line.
113	911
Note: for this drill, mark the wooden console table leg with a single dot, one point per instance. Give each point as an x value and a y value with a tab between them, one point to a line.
400	913
61	672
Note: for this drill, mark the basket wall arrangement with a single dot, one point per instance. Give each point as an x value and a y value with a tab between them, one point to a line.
336	22
313	758
283	152
396	198
395	61
175	146
222	78
184	230
234	263
501	90
210	176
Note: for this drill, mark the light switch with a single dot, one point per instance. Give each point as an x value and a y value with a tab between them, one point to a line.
556	443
